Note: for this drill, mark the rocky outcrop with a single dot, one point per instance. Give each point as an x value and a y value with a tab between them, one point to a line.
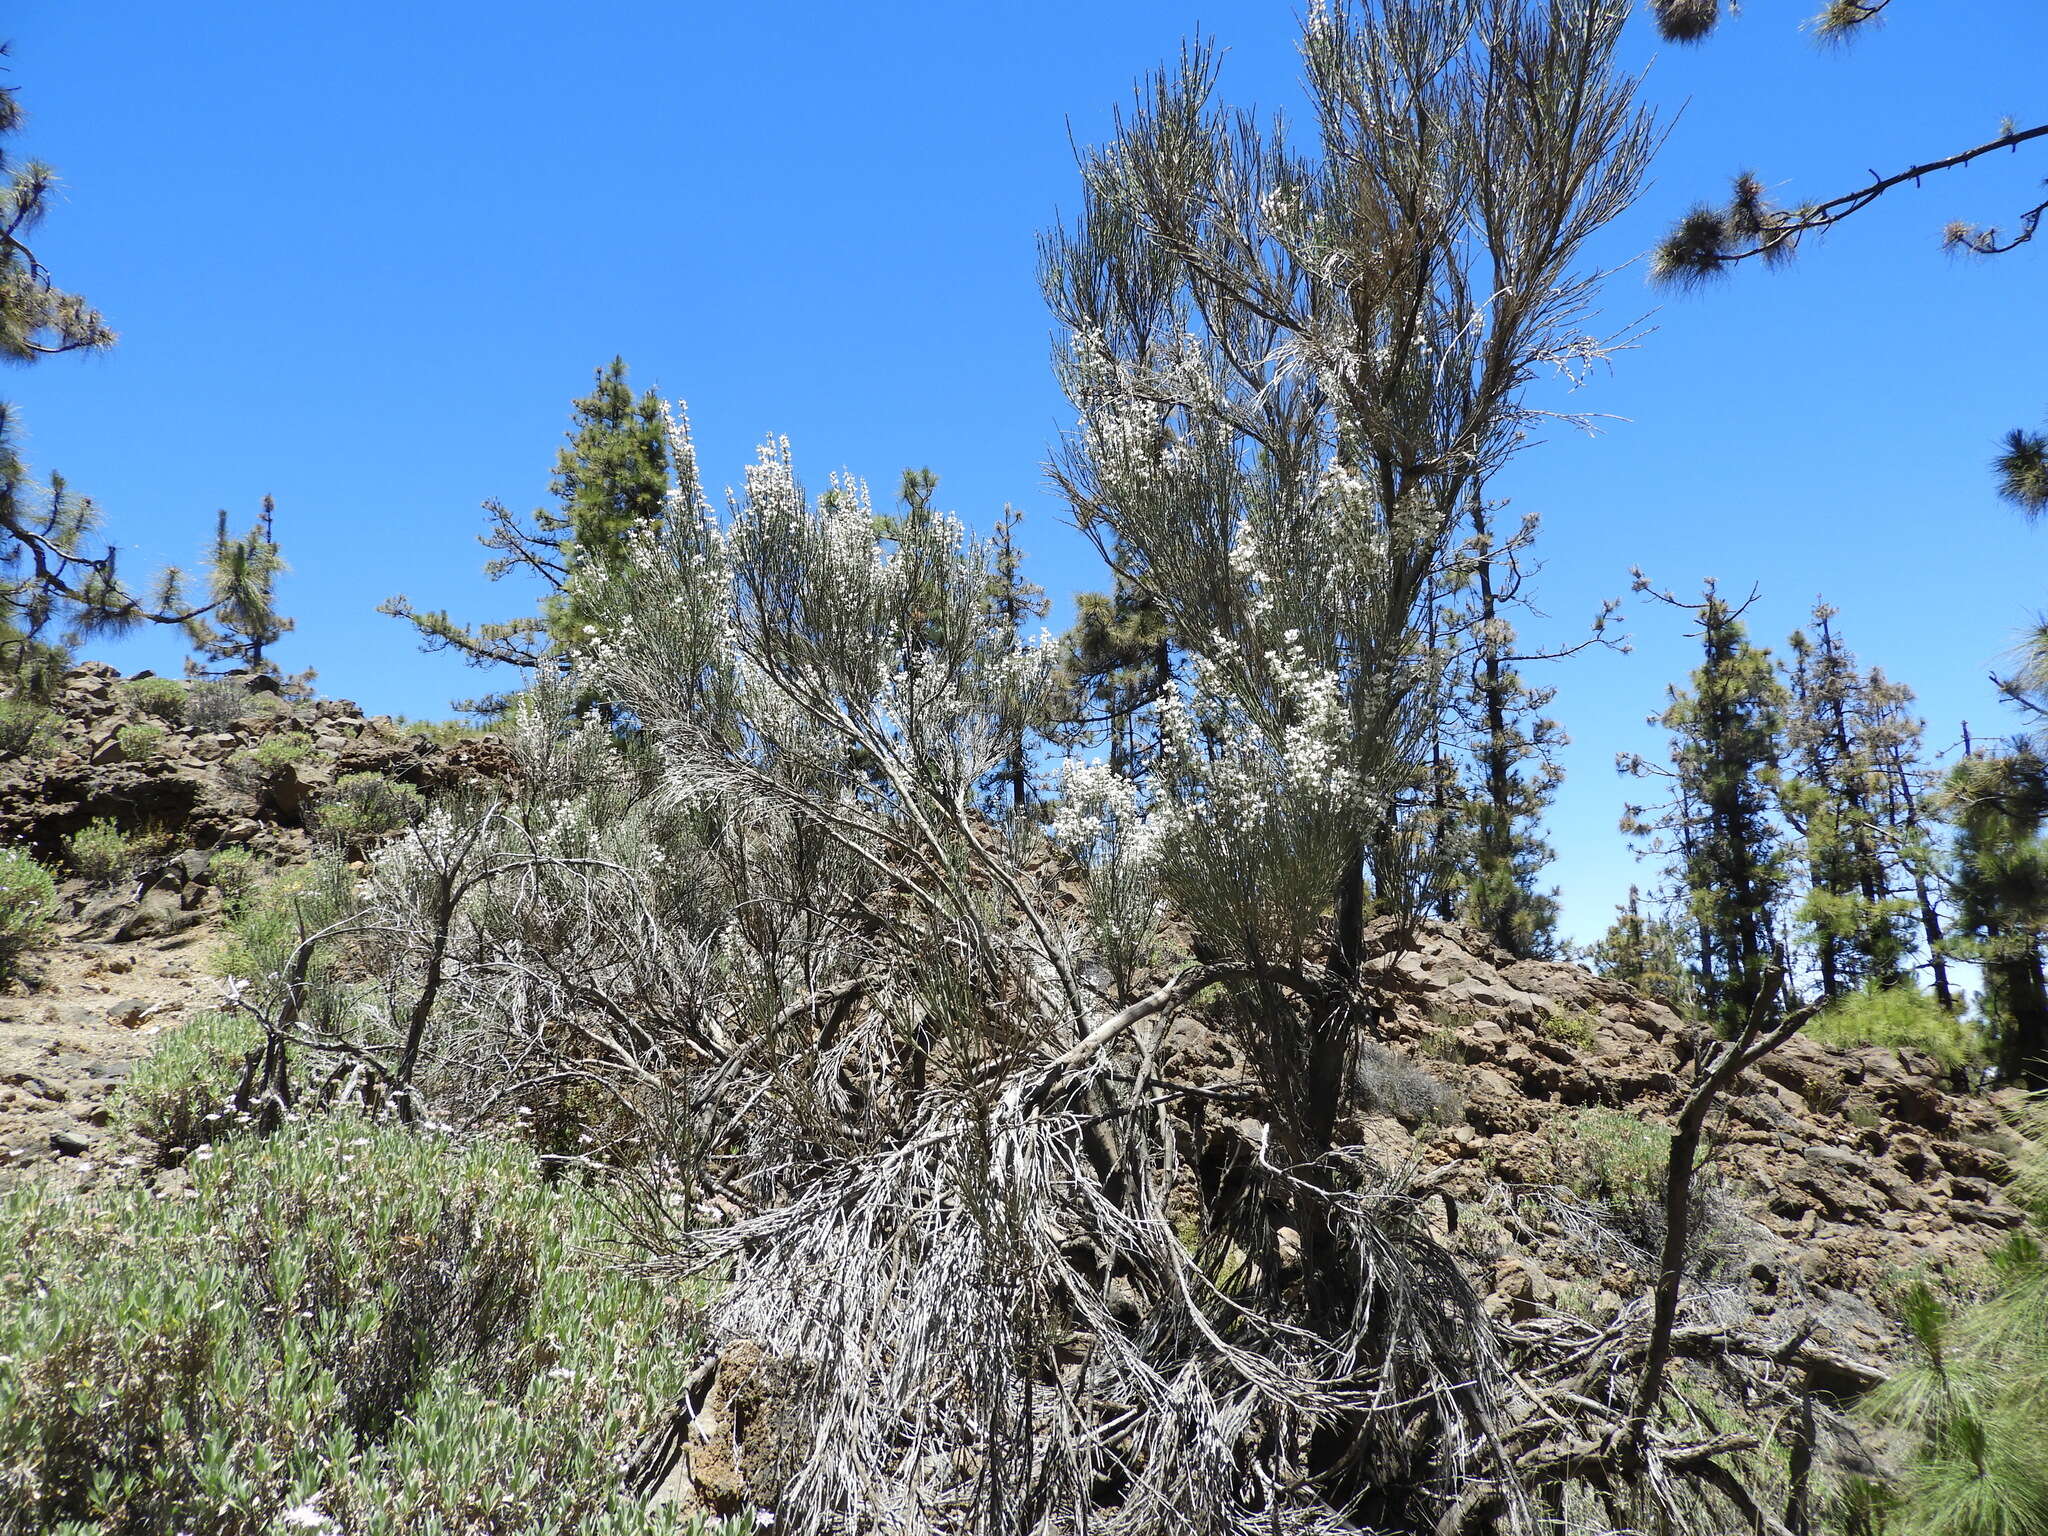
1833	1176
224	775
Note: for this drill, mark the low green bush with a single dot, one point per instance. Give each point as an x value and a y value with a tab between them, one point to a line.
99	851
163	697
27	899
179	1097
276	753
364	807
1579	1030
450	733
138	740
1618	1164
234	874
255	767
1899	1018
1605	1154
26	728
346	1327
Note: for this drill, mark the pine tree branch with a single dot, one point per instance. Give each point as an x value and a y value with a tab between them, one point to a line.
1707	241
60	571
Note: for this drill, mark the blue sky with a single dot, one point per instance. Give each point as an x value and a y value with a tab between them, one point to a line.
362	256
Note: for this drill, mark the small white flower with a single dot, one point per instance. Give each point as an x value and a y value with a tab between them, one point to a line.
306	1517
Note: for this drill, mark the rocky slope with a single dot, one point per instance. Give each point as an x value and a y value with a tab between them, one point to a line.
1526	1095
1530	1095
129	955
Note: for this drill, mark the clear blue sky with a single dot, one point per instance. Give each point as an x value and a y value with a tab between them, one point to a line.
362	256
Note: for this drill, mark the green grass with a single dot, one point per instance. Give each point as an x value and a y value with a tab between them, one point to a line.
405	1334
1899	1018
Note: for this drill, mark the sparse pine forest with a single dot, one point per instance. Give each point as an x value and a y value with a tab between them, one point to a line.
816	1048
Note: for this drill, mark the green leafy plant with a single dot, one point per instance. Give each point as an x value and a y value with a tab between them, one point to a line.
234	874
163	697
180	1097
99	851
365	807
1578	1030
139	740
263	763
26	728
449	733
1899	1018
345	1325
1605	1154
27	898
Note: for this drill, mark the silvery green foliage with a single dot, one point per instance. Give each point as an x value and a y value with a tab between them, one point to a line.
1293	365
741	932
937	1163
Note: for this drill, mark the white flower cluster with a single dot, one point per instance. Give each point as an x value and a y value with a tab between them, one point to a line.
1099	821
1239	767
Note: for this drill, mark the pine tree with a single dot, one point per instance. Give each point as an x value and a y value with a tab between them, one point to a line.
611	476
1513	757
1912	839
1718	828
1834	795
1646	953
1014	601
1999	802
1708	240
2022	471
1118	663
242	578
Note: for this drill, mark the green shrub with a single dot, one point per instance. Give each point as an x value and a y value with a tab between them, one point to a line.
1605	1154
401	1334
99	851
234	874
27	898
264	932
179	1097
263	763
163	697
276	753
26	728
363	807
450	733
1578	1030
1899	1018
138	741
